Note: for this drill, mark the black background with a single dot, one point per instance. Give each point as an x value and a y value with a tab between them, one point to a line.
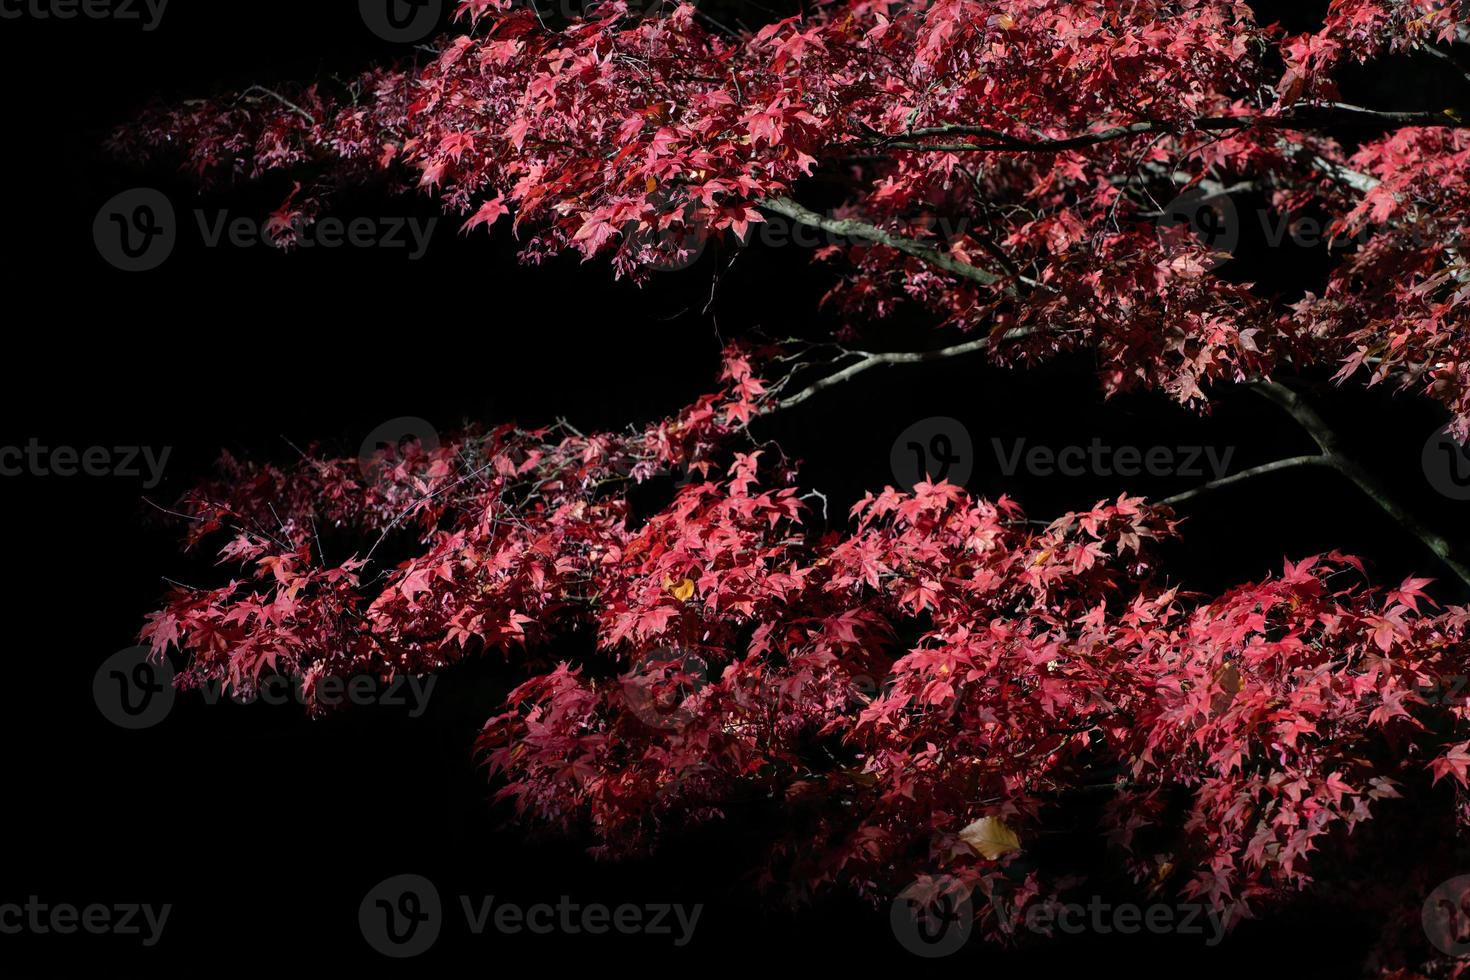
263	828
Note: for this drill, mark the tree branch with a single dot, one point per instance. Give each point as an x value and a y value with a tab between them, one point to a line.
1243	475
863	231
874	360
1304	118
283	100
1333	453
1449	59
1353	179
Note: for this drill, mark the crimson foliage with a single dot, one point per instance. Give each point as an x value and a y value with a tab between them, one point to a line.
930	690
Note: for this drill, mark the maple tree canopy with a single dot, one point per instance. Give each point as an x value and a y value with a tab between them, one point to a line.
929	689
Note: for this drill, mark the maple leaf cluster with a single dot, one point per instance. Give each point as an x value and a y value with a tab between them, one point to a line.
518	527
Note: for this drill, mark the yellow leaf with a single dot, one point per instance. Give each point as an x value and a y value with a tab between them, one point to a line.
682	591
651	185
1161	875
990	838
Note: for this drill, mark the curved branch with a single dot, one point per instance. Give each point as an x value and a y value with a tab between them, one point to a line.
1243	475
283	100
875	360
1332	450
1448	59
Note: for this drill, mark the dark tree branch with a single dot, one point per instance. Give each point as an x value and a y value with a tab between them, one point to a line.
869	361
283	100
1304	118
1244	475
1339	459
863	231
1449	59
